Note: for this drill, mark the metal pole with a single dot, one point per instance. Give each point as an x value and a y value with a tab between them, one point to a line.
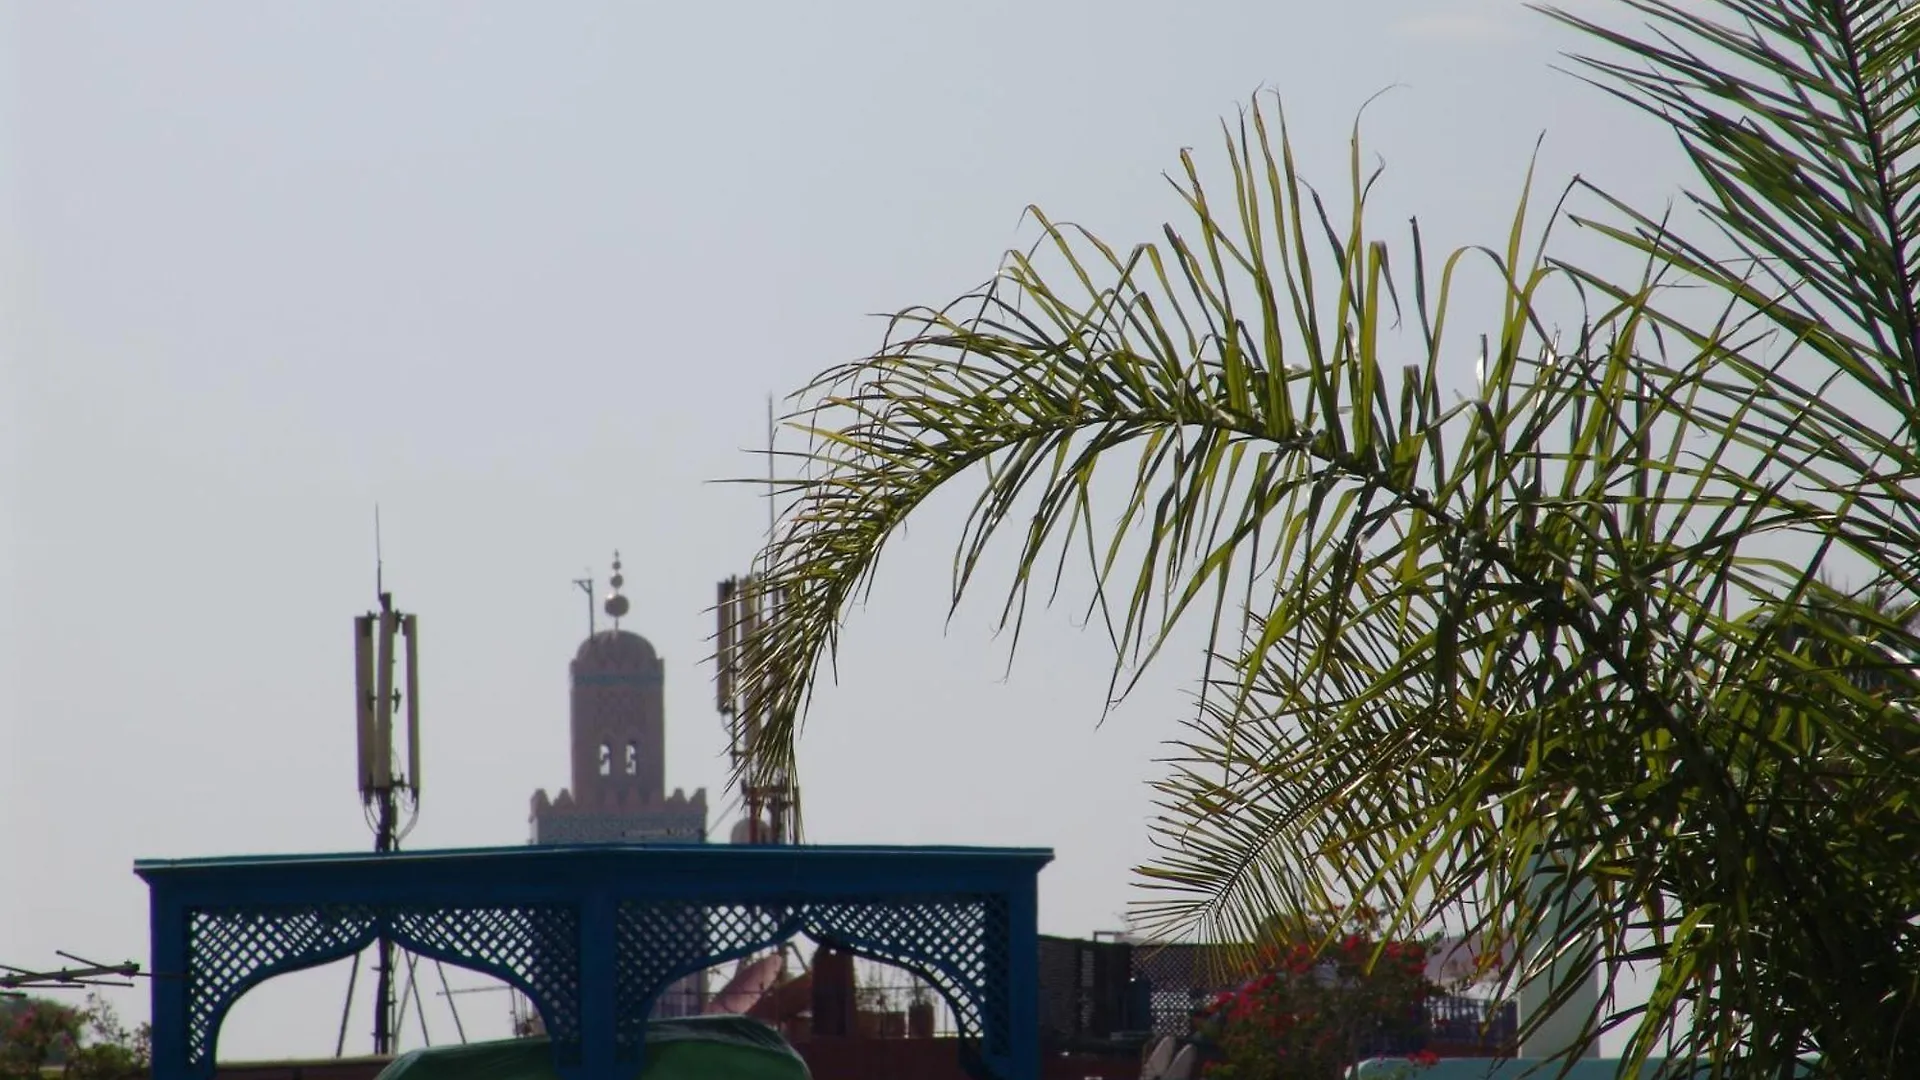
383	994
772	517
411	993
452	1005
353	976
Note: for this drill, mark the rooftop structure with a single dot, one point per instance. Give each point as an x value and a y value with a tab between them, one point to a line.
592	934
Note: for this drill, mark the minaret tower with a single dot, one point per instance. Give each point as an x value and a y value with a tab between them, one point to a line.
618	727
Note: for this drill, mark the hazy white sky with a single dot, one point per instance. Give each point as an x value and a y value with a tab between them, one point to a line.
523	274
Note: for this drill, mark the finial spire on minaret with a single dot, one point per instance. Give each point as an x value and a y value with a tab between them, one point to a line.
616	603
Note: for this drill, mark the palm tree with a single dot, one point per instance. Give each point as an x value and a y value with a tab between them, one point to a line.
1522	651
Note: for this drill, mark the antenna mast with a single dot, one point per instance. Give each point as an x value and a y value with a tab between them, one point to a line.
382	639
770	481
747	608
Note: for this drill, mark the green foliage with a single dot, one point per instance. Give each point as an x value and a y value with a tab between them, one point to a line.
1544	652
85	1043
37	1033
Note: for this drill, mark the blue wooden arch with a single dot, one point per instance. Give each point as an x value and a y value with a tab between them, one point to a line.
593	934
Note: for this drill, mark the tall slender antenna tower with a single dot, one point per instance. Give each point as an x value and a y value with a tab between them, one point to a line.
381	640
772	518
379	559
746	608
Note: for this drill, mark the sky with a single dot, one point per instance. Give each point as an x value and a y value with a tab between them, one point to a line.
523	276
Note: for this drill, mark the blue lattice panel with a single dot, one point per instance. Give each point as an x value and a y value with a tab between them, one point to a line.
959	945
233	949
657	943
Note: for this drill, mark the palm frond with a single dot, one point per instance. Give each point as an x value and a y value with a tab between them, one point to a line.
1530	657
1150	353
1802	118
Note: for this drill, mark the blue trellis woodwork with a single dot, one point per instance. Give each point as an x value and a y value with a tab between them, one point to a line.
945	940
233	948
592	934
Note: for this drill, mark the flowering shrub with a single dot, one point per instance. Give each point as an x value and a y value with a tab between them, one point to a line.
1310	1012
86	1043
36	1033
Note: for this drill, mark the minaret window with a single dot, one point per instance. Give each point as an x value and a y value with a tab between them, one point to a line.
606	760
633	760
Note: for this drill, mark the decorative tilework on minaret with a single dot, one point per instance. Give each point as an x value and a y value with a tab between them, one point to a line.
619	733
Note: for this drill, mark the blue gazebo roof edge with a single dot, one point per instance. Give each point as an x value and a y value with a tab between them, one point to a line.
548	851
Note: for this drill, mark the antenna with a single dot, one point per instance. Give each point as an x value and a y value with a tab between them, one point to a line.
88	973
585	585
770	480
382	642
379	564
723	651
377	693
746	606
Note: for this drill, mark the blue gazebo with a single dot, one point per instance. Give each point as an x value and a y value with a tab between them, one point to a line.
592	934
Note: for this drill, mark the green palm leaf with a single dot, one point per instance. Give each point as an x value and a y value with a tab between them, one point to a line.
1543	659
1803	121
